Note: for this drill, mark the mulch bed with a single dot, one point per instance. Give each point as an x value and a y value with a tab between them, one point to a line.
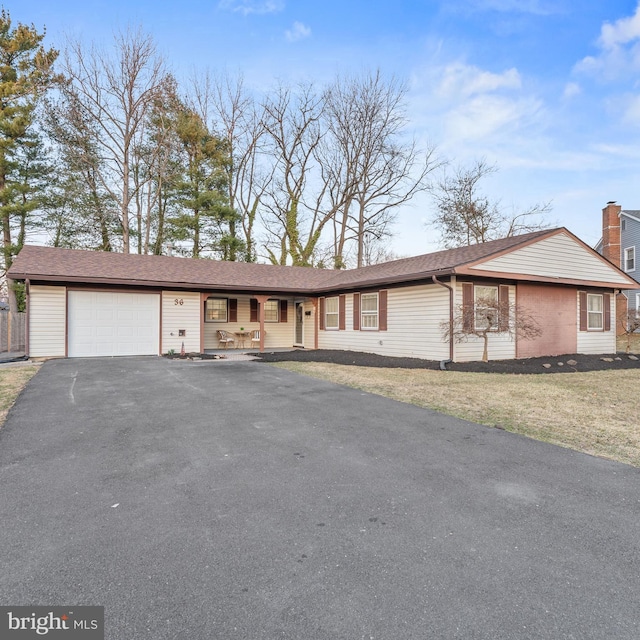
557	364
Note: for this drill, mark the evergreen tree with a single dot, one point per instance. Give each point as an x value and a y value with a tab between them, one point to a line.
205	222
26	72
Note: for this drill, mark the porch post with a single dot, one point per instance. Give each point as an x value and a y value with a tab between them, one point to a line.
261	301
203	299
316	322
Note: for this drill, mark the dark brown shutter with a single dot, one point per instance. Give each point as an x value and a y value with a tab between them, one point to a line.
283	310
503	307
606	303
467	307
321	319
233	310
253	310
382	310
356	312
583	310
342	305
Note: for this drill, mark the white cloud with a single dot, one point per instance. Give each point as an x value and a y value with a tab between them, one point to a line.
632	111
461	80
619	45
472	110
297	32
246	7
625	151
620	32
491	117
571	90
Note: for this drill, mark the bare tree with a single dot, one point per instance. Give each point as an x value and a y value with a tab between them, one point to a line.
116	92
225	104
630	325
465	216
297	206
381	170
489	314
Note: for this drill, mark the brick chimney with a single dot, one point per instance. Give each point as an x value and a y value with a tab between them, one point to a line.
611	233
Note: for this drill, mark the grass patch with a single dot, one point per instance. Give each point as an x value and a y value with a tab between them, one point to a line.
12	382
594	412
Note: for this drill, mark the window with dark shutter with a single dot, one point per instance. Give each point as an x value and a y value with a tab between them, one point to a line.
583	310
382	310
283	310
321	314
606	299
356	312
233	310
503	307
468	312
341	312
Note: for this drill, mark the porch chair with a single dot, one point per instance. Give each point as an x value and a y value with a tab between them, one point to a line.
224	338
255	337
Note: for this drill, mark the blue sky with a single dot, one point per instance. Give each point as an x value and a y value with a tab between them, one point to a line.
549	90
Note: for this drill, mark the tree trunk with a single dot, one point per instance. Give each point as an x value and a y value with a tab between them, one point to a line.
485	350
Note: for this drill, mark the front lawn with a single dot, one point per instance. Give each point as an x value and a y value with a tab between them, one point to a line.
13	379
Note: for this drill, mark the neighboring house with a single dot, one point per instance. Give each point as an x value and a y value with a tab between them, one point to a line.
84	303
620	244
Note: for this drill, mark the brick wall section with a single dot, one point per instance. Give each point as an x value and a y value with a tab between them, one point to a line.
611	233
556	310
622	305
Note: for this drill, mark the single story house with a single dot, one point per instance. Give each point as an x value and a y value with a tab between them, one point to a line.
89	303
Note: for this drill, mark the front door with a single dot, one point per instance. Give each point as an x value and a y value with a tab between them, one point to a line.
299	337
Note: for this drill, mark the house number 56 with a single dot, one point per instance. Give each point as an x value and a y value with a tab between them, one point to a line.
178	301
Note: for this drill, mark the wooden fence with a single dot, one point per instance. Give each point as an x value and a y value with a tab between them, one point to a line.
12	331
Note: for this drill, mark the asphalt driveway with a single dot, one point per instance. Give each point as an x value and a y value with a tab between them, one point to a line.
220	500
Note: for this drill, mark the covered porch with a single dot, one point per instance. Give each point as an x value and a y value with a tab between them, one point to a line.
256	322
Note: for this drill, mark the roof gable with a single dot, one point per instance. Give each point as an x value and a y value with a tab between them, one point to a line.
559	257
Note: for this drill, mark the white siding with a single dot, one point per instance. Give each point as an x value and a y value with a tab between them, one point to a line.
501	346
309	325
557	256
47	321
597	341
413	326
180	310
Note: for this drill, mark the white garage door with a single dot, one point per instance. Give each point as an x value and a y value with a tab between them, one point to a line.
113	324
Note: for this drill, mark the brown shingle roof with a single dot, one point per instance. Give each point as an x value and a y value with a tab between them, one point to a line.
69	265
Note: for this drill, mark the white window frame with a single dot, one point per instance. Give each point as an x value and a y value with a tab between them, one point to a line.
369	317
331	314
272	311
476	324
629	255
594	313
226	310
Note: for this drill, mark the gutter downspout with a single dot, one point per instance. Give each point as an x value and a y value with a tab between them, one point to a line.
27	323
447	286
